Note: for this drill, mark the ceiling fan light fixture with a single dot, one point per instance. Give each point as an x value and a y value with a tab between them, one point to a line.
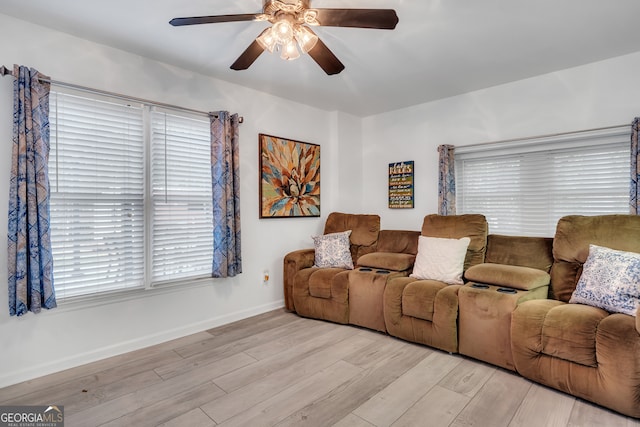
267	40
283	31
290	51
306	38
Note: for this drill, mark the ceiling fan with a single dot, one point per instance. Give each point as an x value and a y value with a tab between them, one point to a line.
290	30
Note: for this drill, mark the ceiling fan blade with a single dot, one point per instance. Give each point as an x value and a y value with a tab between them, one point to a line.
385	19
248	57
325	58
177	22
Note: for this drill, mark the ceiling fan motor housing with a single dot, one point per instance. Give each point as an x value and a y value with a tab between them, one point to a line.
298	11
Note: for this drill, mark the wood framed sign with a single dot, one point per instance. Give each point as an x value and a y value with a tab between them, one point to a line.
401	185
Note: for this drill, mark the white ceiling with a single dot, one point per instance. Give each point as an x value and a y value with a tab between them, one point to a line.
440	48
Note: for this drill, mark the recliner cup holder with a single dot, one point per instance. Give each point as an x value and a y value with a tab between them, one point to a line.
507	291
367	269
480	286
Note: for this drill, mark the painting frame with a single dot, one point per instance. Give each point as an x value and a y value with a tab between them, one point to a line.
289	178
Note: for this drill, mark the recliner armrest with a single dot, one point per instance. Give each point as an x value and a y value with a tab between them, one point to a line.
387	261
512	276
294	262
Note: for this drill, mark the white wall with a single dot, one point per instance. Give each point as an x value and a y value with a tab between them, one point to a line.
70	335
601	94
348	159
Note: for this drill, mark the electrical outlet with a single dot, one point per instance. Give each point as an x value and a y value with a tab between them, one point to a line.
265	277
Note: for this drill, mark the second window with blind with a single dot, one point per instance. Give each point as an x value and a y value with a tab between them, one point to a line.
131	203
524	187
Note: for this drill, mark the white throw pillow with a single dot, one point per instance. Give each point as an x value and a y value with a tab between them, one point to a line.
610	280
441	259
333	250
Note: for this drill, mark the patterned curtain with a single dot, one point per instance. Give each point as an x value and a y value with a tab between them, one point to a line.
225	178
446	181
29	245
635	168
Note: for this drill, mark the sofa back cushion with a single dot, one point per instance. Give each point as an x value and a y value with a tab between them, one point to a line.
473	226
364	231
574	233
533	252
398	241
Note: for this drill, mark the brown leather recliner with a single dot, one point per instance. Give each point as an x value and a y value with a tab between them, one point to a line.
322	293
426	311
582	350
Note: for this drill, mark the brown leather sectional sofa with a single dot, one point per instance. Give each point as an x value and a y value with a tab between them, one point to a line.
512	311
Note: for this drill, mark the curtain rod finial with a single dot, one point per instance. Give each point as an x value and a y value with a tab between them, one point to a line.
4	71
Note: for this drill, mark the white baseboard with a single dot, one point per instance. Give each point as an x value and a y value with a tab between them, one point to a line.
10	378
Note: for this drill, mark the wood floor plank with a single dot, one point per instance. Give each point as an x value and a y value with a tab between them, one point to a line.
210	353
242	329
253	393
468	377
10	393
132	402
265	367
251	322
375	376
586	414
438	407
496	402
84	399
276	326
310	389
103	374
193	418
352	420
164	411
289	340
543	406
389	404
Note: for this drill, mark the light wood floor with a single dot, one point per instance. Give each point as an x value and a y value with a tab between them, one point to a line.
280	369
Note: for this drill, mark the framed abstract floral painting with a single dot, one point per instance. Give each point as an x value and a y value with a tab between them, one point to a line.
289	178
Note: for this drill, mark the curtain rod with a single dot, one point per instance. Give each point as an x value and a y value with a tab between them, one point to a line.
4	71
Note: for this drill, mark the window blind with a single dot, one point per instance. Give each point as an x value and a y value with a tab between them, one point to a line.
96	171
182	213
524	187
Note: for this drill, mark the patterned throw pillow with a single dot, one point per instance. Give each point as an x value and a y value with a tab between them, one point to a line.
333	250
610	280
441	259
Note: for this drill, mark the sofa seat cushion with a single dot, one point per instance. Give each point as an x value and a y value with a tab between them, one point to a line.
387	261
512	276
569	333
418	298
320	281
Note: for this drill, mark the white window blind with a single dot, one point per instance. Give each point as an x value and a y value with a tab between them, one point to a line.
524	187
96	171
182	214
131	202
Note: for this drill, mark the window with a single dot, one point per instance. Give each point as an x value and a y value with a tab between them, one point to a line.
130	195
182	212
524	187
